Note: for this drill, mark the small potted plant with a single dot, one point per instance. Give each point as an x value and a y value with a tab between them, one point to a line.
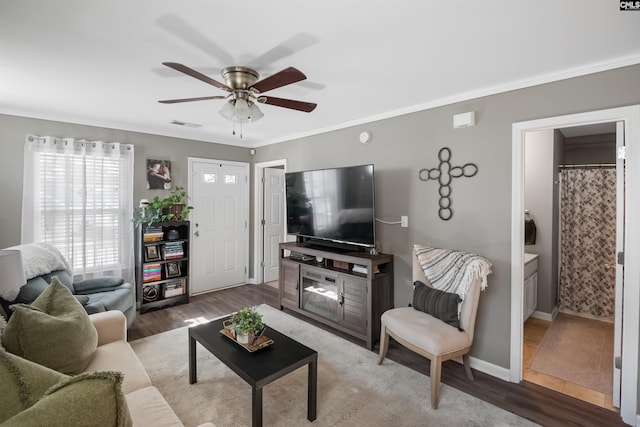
245	323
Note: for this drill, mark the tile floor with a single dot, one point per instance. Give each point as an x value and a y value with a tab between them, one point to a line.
534	330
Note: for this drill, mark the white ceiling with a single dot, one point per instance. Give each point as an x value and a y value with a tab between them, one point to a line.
99	62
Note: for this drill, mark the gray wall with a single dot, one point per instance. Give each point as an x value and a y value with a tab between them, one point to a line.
584	150
400	147
539	175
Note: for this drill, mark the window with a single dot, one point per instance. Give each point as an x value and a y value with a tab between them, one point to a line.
78	197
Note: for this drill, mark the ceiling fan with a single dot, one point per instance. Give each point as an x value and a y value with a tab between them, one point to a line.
245	90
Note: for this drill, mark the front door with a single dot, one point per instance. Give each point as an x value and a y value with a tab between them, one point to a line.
219	195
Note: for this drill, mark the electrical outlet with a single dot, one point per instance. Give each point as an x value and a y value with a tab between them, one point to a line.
404	221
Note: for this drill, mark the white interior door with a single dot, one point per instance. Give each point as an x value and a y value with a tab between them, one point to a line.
620	207
273	221
219	195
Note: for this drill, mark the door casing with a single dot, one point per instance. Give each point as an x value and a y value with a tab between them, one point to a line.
630	116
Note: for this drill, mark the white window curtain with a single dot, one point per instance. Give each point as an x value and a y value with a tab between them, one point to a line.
78	197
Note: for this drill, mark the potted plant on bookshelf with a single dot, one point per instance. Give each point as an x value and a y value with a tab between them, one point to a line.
175	207
245	323
178	208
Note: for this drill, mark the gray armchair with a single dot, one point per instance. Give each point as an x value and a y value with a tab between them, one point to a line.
96	294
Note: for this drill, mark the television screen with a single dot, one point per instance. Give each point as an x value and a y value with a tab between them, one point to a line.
332	204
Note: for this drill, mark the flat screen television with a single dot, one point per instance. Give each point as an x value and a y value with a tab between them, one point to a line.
332	206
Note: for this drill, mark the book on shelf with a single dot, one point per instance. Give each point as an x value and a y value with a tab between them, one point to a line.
173	288
357	268
151	273
173	251
362	269
152	234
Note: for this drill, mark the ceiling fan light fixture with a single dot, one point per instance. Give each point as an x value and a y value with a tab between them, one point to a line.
228	109
254	112
241	111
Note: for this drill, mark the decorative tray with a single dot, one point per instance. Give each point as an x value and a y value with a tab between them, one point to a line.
260	343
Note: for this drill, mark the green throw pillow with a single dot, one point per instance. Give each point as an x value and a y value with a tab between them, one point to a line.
439	304
84	400
23	383
54	331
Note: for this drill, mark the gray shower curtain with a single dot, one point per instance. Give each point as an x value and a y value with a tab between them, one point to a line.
588	241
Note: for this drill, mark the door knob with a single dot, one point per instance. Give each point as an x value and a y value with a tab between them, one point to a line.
196	234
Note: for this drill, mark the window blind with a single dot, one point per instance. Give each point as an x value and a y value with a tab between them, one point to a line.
82	203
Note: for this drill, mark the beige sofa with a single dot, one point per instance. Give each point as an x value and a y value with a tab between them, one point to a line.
146	405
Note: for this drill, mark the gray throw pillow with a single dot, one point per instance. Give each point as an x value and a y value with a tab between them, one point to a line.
439	304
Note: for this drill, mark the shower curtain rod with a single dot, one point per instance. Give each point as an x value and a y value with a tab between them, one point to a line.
591	166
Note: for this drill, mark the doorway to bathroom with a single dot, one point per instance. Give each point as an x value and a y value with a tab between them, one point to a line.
570	206
627	119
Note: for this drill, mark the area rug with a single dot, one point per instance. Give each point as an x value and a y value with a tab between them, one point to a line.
352	389
579	351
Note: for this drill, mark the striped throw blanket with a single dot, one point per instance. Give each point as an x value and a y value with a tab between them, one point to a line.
451	270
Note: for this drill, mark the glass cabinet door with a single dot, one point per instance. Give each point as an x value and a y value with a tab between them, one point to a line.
320	293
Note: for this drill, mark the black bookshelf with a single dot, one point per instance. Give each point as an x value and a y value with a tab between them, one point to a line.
162	264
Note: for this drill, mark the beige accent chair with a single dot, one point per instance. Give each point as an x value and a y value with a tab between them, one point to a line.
429	336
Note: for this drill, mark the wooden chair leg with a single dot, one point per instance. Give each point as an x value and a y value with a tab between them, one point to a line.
384	344
467	366
436	369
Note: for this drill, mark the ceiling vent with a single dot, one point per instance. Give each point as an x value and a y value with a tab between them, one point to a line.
189	125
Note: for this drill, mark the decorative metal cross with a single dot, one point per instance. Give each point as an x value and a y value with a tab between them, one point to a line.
444	173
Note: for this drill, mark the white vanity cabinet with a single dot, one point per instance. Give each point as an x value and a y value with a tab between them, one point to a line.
530	285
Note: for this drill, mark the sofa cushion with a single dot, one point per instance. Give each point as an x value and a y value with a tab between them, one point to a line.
119	356
64	278
79	401
149	408
23	383
439	304
54	331
32	289
82	299
97	284
120	299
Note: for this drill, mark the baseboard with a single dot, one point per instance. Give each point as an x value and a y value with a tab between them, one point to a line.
546	316
589	316
486	367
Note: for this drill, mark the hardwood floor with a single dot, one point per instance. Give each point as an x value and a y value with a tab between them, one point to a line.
536	403
534	330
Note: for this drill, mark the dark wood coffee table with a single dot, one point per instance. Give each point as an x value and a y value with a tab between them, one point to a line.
258	368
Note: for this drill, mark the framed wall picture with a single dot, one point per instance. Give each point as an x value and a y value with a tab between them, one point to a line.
172	269
152	253
158	174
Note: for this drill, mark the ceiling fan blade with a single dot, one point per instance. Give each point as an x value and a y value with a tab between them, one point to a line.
193	73
193	37
282	78
307	107
202	98
293	44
